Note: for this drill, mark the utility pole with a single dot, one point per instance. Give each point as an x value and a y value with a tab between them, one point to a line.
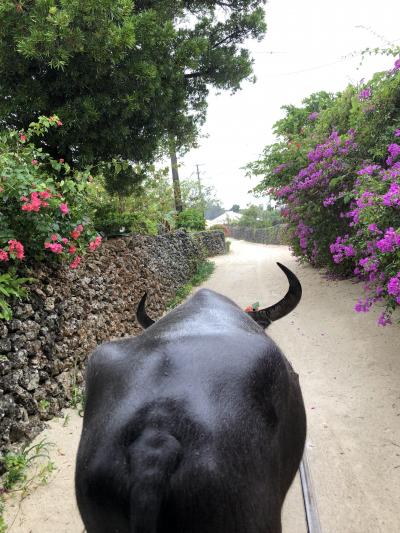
175	176
200	190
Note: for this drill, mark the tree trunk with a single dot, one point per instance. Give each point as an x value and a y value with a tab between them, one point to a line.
175	177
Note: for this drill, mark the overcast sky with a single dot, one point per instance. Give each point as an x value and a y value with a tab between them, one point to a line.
311	41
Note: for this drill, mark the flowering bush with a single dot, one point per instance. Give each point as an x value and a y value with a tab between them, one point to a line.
337	178
316	196
43	203
374	218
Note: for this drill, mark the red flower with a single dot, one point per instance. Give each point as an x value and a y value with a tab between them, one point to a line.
3	255
54	247
75	234
22	137
75	262
95	244
72	249
17	248
45	194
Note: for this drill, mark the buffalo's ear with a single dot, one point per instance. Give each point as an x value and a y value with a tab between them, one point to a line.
264	317
144	320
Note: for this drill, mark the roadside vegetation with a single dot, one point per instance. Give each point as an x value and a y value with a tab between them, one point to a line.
334	170
23	471
93	96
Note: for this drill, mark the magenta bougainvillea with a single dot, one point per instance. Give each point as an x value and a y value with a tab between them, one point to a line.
341	195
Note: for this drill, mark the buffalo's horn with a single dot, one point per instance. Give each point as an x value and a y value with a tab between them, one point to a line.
144	320
264	317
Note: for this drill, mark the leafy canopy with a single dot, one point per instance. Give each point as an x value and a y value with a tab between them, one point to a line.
121	75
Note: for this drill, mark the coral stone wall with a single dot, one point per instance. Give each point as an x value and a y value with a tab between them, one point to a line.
213	242
44	348
273	235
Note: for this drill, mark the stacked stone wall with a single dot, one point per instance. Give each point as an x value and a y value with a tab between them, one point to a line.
44	348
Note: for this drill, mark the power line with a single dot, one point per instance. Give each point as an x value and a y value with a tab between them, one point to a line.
350	55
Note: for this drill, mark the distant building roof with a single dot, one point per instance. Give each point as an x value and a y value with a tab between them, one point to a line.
225	218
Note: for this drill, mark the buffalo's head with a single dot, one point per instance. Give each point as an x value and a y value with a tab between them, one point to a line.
263	317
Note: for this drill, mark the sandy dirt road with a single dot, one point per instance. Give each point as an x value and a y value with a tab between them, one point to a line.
350	376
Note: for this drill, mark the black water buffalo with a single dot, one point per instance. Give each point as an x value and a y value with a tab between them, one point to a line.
195	426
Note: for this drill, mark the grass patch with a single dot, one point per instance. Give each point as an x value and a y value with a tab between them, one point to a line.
17	464
203	272
17	467
78	399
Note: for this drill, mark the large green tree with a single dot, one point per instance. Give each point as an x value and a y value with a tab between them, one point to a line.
125	76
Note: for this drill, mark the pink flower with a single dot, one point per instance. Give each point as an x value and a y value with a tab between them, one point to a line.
59	123
22	137
34	161
54	237
35	201
75	262
95	244
17	248
45	194
64	209
64	240
61	161
72	249
3	255
34	204
54	247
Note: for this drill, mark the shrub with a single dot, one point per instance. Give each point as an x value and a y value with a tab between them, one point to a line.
191	219
373	239
111	222
43	205
11	286
219	227
338	181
